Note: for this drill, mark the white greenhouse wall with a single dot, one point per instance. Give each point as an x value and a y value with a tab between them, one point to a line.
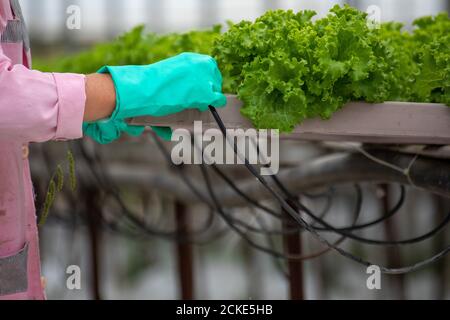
106	18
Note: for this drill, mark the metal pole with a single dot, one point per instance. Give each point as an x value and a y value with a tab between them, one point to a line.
293	246
441	267
184	252
93	211
393	255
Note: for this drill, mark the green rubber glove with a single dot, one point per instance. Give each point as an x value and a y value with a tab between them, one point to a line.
107	131
186	81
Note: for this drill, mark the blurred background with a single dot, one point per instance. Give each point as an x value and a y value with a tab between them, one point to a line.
115	265
105	19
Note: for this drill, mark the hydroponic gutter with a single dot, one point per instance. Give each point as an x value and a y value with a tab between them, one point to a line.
387	123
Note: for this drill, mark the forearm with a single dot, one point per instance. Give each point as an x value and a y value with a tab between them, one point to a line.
100	97
37	106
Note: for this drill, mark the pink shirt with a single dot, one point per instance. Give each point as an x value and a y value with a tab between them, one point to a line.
34	107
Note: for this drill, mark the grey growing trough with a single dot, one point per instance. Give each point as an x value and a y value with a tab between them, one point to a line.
388	123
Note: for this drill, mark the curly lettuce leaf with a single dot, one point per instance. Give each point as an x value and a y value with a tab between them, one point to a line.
286	68
432	54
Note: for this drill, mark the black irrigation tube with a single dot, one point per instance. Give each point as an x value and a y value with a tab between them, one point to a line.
244	236
294	214
256	204
266	209
276	214
253	202
388	215
329	228
136	223
212	205
229	220
342	231
271	251
110	226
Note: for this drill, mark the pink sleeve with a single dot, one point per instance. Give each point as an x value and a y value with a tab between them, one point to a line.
37	106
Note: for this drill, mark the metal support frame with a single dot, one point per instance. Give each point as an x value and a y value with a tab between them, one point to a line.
393	254
380	123
442	267
293	246
92	217
184	252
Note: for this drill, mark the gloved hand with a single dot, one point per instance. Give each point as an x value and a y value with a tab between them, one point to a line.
106	131
186	81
